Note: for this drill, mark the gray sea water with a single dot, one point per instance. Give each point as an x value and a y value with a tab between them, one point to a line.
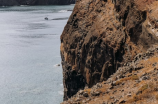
29	52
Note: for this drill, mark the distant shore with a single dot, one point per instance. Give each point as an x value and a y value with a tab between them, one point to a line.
35	2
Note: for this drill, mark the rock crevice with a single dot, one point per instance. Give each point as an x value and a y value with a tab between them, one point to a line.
101	36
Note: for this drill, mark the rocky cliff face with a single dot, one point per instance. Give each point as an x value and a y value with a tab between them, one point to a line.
103	35
133	83
35	2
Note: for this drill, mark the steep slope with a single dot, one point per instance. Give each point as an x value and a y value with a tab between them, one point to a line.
90	49
134	83
103	35
35	2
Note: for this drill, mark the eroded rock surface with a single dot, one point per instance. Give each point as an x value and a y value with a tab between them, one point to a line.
103	35
134	83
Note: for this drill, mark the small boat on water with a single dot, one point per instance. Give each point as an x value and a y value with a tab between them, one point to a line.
46	18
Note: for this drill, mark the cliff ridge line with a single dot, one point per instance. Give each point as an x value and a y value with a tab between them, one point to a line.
102	36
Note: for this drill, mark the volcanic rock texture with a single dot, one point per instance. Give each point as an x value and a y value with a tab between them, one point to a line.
103	35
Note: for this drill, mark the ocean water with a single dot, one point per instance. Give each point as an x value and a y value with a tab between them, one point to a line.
29	52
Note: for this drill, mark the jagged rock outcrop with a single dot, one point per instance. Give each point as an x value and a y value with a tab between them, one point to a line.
134	83
35	2
103	35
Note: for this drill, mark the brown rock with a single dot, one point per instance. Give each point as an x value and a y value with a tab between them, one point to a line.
85	94
95	93
102	35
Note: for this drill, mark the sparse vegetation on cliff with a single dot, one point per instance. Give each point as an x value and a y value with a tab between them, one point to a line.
113	45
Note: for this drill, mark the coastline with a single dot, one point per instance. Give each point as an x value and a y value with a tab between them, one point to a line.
106	42
36	2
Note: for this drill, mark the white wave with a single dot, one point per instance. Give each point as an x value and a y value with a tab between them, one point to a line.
57	65
35	91
61	93
23	5
63	11
61	84
3	6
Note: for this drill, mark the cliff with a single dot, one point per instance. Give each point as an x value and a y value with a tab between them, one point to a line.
35	2
104	41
